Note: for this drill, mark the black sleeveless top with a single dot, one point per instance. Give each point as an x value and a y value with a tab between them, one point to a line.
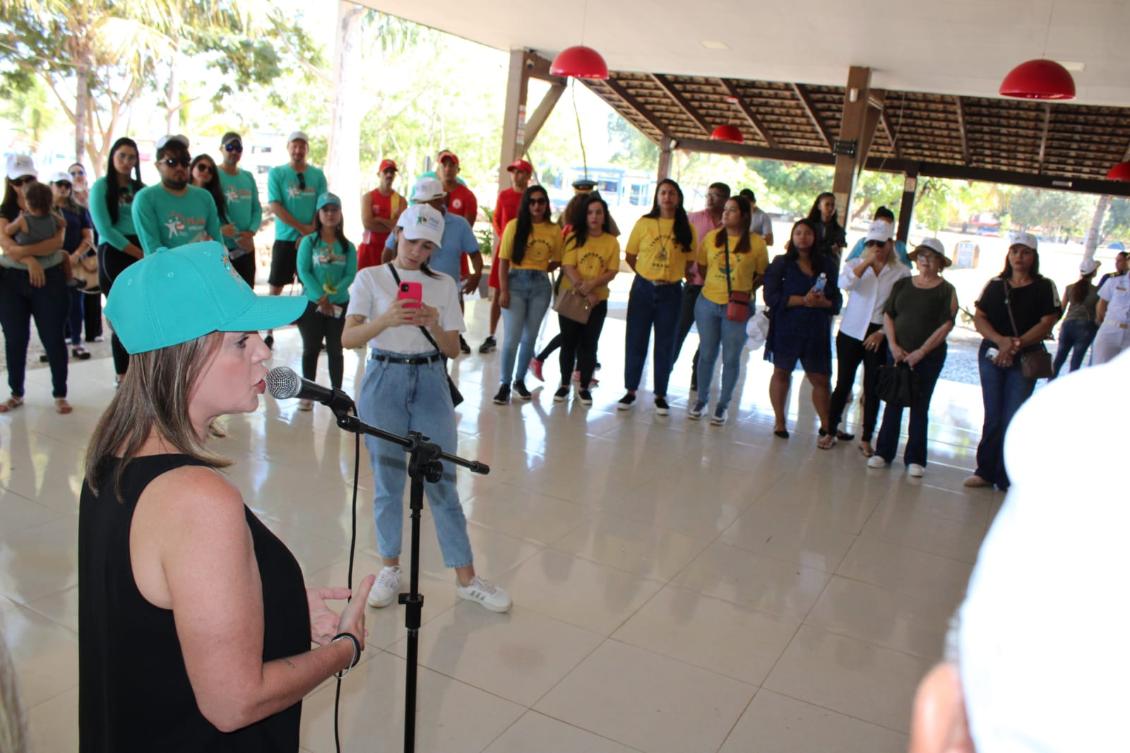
134	693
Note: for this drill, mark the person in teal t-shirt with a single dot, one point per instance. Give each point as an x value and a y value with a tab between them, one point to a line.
327	264
244	211
174	213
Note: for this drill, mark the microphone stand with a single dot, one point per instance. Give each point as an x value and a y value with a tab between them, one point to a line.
424	463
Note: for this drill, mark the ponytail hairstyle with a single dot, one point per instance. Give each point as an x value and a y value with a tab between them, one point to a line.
113	190
525	222
746	212
684	235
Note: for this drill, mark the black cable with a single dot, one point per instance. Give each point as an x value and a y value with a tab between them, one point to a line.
349	575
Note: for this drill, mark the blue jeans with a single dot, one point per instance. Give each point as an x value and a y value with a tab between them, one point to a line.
651	306
715	330
1003	391
1075	336
926	376
529	300
400	398
48	306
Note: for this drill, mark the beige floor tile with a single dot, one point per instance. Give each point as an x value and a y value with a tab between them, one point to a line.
777	724
524	514
40	560
849	676
899	568
732	640
61	607
913	623
45	654
17	512
451	717
799	534
53	724
519	655
753	580
537	732
624	544
648	701
582	593
955	539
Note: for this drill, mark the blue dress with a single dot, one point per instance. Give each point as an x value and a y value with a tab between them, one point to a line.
800	333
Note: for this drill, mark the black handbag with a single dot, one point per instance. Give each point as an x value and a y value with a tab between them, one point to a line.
897	384
456	395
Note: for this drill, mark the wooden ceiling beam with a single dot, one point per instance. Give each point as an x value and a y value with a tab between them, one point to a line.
638	107
683	103
810	111
754	121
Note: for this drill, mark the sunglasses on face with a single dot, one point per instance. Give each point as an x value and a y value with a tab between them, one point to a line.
203	167
536	202
78	174
176	161
17	182
63	184
233	146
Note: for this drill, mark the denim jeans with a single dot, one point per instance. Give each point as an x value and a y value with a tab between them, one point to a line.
849	353
1075	336
926	373
400	398
1003	391
651	306
529	300
48	306
715	330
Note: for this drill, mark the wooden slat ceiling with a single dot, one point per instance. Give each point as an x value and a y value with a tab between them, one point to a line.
1032	138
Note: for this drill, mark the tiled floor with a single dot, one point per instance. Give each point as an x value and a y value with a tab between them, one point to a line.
677	587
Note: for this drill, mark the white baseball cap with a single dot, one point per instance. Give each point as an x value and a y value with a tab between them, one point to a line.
422	222
61	177
427	189
172	138
298	136
1024	239
880	230
21	165
1088	266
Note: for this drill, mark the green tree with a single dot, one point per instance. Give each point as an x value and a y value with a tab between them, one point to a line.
632	149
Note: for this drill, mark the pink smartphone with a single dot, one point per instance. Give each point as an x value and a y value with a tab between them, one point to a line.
413	292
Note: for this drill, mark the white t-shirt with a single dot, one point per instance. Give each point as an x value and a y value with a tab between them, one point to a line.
374	290
1116	292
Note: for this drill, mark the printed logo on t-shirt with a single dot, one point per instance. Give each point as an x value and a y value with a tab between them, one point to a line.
537	252
659	247
235	195
294	191
186	228
590	264
457	203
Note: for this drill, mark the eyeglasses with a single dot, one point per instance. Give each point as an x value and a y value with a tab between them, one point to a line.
175	161
17	182
78	174
233	146
301	181
536	202
203	167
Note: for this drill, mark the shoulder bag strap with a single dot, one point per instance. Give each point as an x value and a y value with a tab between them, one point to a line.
1008	307
726	251
427	334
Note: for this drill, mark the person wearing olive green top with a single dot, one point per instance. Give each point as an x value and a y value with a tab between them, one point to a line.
734	259
659	250
591	260
530	248
327	264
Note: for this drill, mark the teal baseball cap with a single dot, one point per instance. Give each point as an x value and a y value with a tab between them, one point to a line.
176	295
328	198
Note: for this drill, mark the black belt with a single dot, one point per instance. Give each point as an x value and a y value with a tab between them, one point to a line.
407	360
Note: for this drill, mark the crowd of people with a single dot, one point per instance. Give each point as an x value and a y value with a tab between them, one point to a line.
177	261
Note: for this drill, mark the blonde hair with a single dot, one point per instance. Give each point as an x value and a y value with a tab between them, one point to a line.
153	398
13	726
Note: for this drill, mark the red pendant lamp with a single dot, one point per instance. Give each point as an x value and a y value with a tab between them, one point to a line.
1121	171
579	62
730	133
1038	79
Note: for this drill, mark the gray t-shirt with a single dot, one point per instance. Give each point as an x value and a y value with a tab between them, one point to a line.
1083	310
39	229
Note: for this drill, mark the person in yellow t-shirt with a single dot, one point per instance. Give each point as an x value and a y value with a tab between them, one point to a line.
529	250
734	260
591	260
659	250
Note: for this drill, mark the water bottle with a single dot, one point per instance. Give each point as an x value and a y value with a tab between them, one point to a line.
821	281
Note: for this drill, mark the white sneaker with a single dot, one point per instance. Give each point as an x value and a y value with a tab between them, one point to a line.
876	462
696	412
915	471
386	588
486	594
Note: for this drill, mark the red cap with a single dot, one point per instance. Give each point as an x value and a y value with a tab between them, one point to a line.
446	154
387	164
520	164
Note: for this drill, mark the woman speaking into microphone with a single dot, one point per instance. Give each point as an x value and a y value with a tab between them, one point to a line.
194	622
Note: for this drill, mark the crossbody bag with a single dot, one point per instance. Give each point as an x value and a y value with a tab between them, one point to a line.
737	306
456	395
1036	363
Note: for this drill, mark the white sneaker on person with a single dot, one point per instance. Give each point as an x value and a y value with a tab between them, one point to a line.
876	462
386	588
696	412
485	593
914	470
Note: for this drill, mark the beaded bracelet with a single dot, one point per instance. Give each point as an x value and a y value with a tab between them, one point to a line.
356	652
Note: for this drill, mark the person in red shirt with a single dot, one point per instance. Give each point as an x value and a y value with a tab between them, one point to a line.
380	209
505	209
461	201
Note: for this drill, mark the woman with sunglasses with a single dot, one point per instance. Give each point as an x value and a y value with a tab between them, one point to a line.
80	191
327	264
78	243
529	250
32	286
111	204
241	196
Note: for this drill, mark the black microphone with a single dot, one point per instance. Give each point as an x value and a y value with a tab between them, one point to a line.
284	383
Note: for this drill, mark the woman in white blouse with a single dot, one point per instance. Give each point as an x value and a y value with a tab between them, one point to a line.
870	278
